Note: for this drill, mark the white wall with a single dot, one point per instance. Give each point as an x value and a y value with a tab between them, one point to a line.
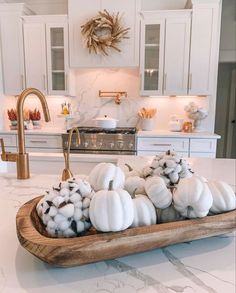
228	32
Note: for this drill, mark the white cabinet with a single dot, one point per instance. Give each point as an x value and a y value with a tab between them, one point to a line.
156	145
46	53
35	57
204	48
186	146
164	52
79	13
12	47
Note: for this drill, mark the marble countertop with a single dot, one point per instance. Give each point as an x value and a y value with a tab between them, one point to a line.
199	266
41	131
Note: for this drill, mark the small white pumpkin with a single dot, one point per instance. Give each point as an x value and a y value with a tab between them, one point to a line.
131	172
167	215
158	193
135	185
144	211
192	198
111	210
224	198
103	173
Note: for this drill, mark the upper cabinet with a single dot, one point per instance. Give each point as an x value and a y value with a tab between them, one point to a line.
164	54
204	47
80	13
46	54
179	50
12	47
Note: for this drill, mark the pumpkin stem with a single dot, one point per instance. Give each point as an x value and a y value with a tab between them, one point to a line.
129	167
110	185
133	194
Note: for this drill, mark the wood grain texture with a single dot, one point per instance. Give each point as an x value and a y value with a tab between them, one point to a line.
68	252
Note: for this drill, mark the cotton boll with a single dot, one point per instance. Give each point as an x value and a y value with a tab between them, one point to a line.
51	231
51	224
86	203
64	225
80	226
86	213
158	171
171	163
174	177
58	200
67	211
85	188
39	207
59	218
162	162
46	219
87	225
64	192
69	233
75	197
64	184
168	170
53	211
177	169
78	214
78	204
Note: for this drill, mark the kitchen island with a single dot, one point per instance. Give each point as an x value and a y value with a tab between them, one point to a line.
206	265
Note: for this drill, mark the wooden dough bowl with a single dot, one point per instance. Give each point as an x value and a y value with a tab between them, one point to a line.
94	246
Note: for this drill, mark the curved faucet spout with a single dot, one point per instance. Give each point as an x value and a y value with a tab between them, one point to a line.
23	158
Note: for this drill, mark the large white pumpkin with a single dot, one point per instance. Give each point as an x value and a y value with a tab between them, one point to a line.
144	211
135	185
111	210
158	193
192	198
224	198
103	173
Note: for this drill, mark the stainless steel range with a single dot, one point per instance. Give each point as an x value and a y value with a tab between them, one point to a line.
94	140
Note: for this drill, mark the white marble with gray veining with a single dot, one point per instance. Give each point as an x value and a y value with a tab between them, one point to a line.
199	266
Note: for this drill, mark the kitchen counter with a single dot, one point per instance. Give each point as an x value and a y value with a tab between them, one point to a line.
166	133
41	131
199	266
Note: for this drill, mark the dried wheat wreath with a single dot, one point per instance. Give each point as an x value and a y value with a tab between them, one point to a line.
104	31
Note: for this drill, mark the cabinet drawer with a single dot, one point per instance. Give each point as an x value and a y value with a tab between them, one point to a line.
154	153
203	145
163	144
43	141
9	139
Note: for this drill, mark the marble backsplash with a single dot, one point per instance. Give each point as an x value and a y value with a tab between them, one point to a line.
86	102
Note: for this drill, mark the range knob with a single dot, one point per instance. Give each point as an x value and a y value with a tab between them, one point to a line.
131	145
120	144
99	144
86	144
112	145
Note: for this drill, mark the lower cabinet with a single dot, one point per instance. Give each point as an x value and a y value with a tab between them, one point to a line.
42	143
187	147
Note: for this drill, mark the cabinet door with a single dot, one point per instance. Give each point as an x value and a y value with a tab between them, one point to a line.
176	55
57	58
203	50
151	56
35	56
78	15
12	53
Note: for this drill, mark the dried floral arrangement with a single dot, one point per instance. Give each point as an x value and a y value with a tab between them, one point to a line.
104	31
34	115
12	115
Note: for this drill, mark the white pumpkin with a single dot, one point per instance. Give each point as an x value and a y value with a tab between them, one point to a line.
158	193
103	173
167	215
192	198
144	211
131	172
224	198
111	210
135	185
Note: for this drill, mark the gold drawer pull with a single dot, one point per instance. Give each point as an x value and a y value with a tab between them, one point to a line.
161	144
38	141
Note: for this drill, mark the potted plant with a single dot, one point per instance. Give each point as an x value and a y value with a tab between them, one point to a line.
35	117
12	116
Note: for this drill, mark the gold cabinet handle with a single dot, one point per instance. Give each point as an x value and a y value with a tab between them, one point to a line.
38	141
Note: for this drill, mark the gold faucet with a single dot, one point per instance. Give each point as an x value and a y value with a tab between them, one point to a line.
22	158
66	174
